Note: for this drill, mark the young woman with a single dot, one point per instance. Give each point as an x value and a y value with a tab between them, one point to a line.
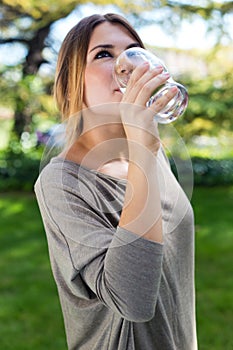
119	227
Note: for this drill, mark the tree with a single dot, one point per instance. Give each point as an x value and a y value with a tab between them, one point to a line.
29	24
215	13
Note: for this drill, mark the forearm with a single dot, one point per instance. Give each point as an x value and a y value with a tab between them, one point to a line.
141	212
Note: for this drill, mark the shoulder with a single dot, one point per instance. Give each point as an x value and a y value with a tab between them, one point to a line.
60	176
68	181
63	172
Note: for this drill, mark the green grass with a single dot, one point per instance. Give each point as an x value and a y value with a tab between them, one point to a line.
30	315
214	282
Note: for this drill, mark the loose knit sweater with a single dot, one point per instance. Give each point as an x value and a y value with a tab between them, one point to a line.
118	290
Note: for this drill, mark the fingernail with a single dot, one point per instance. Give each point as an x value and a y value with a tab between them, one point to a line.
165	75
158	68
174	89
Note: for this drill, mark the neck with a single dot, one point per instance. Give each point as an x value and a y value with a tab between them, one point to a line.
103	149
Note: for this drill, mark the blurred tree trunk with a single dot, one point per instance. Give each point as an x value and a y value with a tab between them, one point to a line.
34	60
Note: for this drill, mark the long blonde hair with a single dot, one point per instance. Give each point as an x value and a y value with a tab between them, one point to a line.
70	71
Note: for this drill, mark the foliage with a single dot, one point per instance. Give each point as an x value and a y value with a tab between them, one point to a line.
207	172
18	167
214	13
28	23
29	96
210	107
210	172
26	88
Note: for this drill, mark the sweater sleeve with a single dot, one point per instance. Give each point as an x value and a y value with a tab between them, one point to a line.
130	276
92	260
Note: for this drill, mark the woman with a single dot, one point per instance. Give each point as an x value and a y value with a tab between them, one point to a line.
119	227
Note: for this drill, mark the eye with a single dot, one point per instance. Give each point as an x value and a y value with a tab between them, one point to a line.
102	54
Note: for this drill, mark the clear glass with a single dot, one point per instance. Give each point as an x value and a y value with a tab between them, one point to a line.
128	60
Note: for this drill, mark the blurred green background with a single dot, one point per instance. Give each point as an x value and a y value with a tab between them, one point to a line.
30	37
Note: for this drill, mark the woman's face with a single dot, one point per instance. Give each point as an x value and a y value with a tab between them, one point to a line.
107	42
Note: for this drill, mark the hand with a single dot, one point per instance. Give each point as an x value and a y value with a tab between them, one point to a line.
137	119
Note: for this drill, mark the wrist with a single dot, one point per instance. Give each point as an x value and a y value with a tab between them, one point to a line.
141	153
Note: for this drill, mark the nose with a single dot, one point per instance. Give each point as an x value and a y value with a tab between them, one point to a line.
123	69
122	72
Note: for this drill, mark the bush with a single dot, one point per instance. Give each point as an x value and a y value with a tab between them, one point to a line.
19	169
209	172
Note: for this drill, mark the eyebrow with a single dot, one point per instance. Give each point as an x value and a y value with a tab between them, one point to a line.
109	46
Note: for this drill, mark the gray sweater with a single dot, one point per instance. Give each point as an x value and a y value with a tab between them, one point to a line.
118	290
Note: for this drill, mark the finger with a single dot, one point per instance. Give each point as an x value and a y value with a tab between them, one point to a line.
144	72
147	90
162	101
140	76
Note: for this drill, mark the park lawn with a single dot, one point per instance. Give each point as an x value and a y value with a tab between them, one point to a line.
30	315
213	209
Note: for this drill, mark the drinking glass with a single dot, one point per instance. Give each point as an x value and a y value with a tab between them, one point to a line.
129	59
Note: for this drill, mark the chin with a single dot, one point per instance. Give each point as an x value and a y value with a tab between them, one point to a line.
108	110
